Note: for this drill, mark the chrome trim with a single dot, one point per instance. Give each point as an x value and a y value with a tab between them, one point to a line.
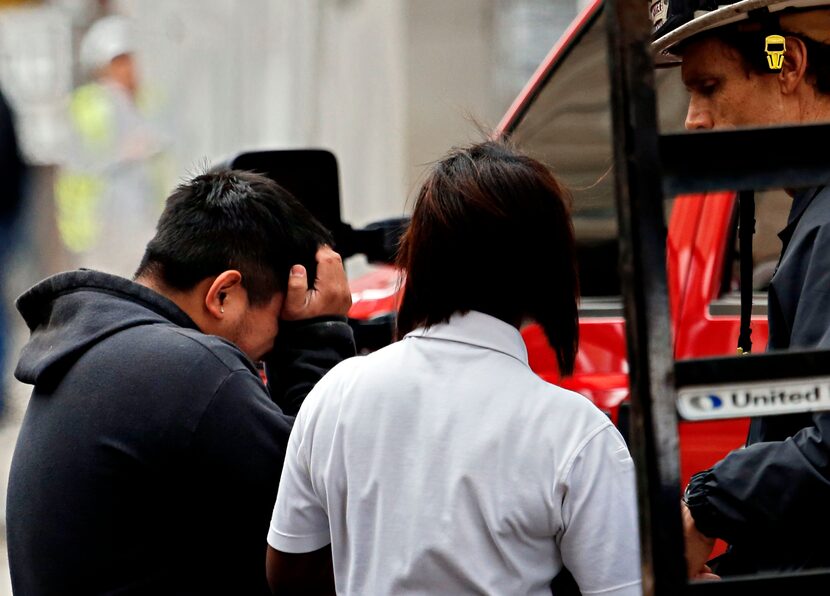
730	305
610	306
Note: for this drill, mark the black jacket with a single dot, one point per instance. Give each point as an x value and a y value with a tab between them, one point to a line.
770	500
150	453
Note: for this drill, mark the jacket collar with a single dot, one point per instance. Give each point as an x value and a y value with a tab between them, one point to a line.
801	201
478	329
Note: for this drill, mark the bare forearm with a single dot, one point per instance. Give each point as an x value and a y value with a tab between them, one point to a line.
302	574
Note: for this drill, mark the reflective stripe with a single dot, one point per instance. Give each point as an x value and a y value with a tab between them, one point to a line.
92	116
77	197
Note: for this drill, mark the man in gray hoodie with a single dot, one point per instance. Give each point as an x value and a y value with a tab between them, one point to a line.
150	431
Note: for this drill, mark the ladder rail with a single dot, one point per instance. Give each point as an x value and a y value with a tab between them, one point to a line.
654	435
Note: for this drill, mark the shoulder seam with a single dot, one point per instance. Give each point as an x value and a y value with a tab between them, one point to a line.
207	407
581	447
179	331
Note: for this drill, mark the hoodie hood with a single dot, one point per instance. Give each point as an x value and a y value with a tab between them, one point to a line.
70	312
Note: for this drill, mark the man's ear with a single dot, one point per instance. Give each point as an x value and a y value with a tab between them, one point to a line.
795	65
226	291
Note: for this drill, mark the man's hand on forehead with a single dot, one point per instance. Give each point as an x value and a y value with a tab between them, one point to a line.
329	294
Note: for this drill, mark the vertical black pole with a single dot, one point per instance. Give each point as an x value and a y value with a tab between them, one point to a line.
746	228
643	271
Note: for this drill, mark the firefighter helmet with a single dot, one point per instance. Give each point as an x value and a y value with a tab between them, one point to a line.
675	21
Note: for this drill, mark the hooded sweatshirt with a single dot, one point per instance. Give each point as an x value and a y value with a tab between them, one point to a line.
150	453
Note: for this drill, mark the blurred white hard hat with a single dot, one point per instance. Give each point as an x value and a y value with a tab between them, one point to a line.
107	38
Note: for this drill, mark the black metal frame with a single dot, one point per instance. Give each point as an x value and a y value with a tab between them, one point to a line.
770	366
653	431
745	159
646	166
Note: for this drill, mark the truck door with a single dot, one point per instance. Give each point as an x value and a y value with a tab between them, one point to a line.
563	118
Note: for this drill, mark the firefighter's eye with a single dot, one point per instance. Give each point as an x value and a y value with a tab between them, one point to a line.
707	88
703	87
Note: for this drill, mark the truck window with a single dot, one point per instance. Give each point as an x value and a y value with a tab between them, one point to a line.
568	126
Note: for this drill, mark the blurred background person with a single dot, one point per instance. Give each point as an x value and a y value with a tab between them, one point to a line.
108	194
12	171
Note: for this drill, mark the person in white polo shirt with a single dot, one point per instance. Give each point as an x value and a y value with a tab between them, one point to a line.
442	464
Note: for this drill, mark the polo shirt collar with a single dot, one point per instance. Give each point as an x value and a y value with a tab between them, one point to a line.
478	329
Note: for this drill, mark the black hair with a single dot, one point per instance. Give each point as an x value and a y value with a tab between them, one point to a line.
491	231
233	219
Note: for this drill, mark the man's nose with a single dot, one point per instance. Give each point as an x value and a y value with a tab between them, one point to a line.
698	118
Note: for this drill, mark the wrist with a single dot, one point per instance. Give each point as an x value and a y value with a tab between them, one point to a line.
701	514
690	527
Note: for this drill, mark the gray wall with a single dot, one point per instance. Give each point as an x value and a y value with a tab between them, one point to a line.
389	85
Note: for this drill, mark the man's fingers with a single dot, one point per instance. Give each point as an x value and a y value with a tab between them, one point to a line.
333	294
296	295
329	265
330	295
706	573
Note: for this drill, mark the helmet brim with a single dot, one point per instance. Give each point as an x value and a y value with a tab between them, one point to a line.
724	15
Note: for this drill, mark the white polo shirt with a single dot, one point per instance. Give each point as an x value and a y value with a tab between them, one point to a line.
442	464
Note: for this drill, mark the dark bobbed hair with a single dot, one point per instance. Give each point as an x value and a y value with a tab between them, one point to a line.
233	219
491	231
